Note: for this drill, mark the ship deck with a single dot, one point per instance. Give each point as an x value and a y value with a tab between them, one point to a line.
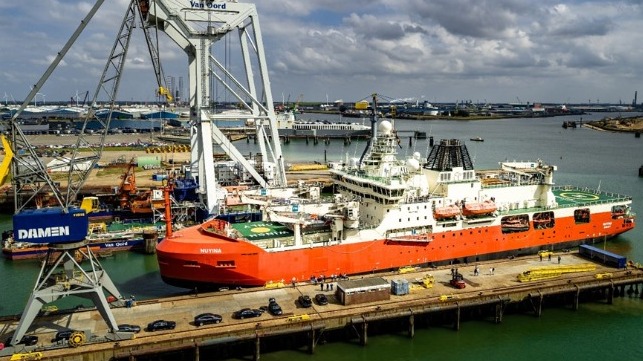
262	230
568	196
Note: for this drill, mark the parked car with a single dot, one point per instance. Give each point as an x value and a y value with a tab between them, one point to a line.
161	325
321	299
62	335
28	340
207	318
274	308
129	328
304	301
246	313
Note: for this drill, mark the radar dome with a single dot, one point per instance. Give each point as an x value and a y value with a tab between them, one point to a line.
413	164
385	127
416	155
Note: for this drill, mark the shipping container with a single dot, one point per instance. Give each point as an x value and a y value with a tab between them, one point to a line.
606	257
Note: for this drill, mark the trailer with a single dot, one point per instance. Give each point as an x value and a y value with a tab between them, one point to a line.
605	257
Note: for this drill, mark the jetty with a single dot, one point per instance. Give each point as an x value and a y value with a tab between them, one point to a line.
492	290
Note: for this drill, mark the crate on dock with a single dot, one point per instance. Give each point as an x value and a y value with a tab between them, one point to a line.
400	287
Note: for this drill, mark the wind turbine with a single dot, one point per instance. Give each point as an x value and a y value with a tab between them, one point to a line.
36	97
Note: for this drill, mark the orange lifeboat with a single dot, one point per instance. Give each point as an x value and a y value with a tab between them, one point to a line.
478	208
446	212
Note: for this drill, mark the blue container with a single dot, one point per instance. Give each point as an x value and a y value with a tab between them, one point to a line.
50	225
606	257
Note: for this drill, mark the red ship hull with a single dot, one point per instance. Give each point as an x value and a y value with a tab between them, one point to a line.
193	258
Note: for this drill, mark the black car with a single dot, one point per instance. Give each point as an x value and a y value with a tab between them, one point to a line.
246	313
62	335
274	308
129	328
27	340
206	318
304	301
321	299
161	325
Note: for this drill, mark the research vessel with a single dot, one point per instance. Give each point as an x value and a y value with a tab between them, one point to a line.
389	212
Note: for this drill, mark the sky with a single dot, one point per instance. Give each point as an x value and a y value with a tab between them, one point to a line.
500	51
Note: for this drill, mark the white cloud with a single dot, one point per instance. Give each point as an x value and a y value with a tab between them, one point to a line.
446	49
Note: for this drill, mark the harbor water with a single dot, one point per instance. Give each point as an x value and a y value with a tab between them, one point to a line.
584	157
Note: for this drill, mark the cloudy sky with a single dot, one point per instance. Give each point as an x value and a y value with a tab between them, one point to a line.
438	50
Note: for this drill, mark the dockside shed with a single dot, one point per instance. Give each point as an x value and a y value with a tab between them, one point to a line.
363	290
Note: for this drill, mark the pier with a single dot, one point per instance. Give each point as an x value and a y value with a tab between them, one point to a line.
492	290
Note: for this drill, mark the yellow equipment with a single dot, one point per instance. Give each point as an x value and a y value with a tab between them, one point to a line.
600	276
545	254
26	356
361	105
5	167
166	93
271	284
426	281
304	317
541	273
77	338
447	297
407	269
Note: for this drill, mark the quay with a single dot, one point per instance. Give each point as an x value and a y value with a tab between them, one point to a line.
492	290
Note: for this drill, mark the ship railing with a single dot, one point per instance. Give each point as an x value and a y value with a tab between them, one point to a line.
385	180
611	197
511	183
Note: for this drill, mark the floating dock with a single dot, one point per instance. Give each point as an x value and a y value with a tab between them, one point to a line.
492	290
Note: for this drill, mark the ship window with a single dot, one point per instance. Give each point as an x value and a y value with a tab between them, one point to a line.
544	220
581	216
225	263
517	223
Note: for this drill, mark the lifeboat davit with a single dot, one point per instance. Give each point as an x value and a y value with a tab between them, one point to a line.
446	212
479	208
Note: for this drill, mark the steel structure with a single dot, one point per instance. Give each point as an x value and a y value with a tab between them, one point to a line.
195	26
31	179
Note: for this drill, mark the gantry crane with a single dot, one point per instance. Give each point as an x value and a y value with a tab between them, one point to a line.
195	27
64	227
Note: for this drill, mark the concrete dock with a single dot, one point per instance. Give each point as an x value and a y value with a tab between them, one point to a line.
495	290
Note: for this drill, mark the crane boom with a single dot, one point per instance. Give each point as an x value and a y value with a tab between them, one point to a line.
81	166
30	176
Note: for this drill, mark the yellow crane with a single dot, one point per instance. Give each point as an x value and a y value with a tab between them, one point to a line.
5	166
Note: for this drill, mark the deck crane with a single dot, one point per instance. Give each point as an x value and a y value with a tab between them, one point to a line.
64	227
195	26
